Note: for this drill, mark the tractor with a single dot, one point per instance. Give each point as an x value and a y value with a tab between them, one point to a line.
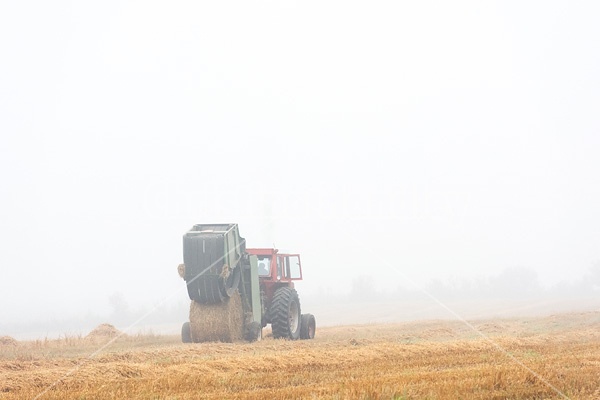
236	291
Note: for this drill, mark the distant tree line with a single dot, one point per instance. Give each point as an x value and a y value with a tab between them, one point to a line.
518	283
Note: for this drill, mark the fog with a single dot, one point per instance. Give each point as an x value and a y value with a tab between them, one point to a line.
426	159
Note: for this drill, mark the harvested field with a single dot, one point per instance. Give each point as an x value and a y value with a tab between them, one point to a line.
546	358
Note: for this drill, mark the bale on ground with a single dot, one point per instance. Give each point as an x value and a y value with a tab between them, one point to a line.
104	331
222	322
8	341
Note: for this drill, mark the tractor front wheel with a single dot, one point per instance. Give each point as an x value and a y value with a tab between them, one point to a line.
285	314
308	326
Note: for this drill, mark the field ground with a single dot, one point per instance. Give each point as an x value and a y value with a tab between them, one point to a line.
553	357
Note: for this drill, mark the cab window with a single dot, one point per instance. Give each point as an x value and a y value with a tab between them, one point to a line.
292	267
264	266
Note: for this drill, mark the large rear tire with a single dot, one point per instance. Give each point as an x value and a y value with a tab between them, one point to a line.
308	326
186	333
285	314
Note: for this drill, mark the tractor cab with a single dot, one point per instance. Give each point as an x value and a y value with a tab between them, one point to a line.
275	267
276	270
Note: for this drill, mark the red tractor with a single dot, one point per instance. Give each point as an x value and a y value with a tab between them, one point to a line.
220	272
277	273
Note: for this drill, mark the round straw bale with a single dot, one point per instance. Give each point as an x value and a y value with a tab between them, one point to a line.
104	331
222	322
8	341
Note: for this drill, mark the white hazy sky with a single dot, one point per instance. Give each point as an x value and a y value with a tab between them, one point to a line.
439	139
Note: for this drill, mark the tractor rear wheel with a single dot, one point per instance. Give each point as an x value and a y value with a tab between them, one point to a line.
186	333
308	326
285	314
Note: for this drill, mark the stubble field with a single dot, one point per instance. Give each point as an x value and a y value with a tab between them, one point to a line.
553	357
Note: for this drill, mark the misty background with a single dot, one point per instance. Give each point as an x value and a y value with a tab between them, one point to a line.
414	153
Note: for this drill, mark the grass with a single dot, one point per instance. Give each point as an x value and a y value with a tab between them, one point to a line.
428	360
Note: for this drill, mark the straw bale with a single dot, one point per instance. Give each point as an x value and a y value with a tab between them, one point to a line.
223	322
8	341
491	327
104	331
